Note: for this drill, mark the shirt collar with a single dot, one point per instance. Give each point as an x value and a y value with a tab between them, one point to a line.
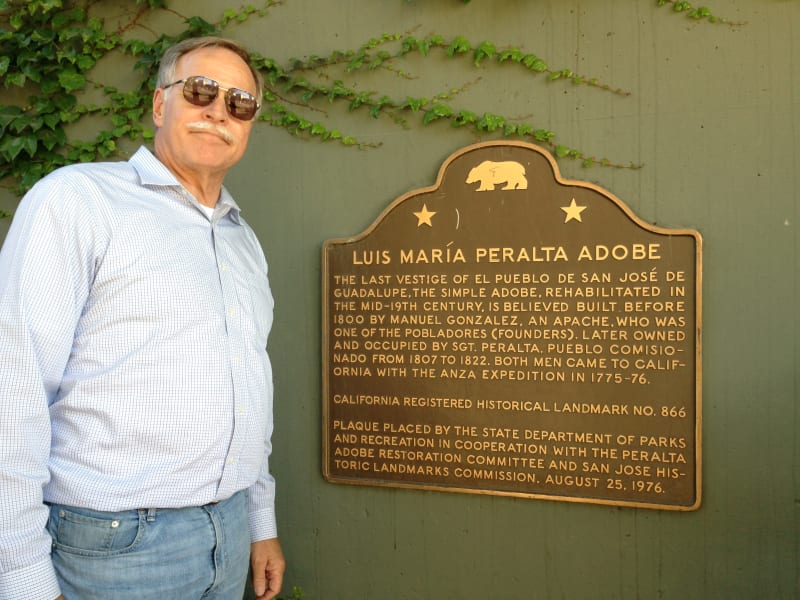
152	172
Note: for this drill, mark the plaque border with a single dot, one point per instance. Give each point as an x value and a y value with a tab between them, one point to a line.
325	341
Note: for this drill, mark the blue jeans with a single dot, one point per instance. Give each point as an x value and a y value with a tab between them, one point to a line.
152	554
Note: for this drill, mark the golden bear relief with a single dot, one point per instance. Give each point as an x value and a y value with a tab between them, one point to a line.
491	173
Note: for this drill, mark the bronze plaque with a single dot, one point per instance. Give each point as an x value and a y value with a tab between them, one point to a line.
509	332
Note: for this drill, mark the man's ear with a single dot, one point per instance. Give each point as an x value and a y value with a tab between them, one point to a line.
158	107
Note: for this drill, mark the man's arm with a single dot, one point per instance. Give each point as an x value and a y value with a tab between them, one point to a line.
266	557
268	564
44	280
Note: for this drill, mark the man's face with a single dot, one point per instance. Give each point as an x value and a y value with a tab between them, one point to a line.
199	140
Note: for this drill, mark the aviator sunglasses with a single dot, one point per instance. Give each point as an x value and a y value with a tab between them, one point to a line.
202	91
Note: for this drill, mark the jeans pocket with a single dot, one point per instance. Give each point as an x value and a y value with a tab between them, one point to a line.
93	533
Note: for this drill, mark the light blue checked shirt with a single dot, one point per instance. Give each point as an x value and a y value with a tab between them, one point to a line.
133	364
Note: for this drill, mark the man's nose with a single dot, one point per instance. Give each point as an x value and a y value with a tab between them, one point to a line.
217	110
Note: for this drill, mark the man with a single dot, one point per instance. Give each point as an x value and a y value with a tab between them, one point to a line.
135	388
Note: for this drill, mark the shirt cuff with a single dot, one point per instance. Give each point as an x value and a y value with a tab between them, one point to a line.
34	582
263	525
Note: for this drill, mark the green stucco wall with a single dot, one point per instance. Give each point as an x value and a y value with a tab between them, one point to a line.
713	117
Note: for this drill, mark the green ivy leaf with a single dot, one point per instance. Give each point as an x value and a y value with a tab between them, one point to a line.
490	122
360	100
464	117
12	146
459	45
85	62
414	103
199	26
35	123
50	87
50	139
32	72
524	129
424	47
120	131
378	106
135	47
134	115
484	50
514	54
65	101
17	79
107	148
228	15
356	63
60	20
51	120
409	44
70	80
20	124
15	20
7	115
534	63
437	111
37	172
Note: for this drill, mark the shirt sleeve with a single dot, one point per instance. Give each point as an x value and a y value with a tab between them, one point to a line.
46	268
261	495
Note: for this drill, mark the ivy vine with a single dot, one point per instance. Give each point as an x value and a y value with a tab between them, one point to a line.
48	49
696	12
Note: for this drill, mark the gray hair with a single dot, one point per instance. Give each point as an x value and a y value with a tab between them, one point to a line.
166	70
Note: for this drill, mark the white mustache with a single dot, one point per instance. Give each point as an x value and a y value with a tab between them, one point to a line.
220	130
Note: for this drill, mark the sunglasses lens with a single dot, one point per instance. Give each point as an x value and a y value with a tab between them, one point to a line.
241	104
200	91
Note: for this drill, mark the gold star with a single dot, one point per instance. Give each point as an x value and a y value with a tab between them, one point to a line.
424	216
573	211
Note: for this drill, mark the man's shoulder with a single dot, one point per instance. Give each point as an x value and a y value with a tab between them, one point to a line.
88	171
84	180
80	188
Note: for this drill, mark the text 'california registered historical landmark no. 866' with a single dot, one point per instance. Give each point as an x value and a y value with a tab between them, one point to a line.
505	331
